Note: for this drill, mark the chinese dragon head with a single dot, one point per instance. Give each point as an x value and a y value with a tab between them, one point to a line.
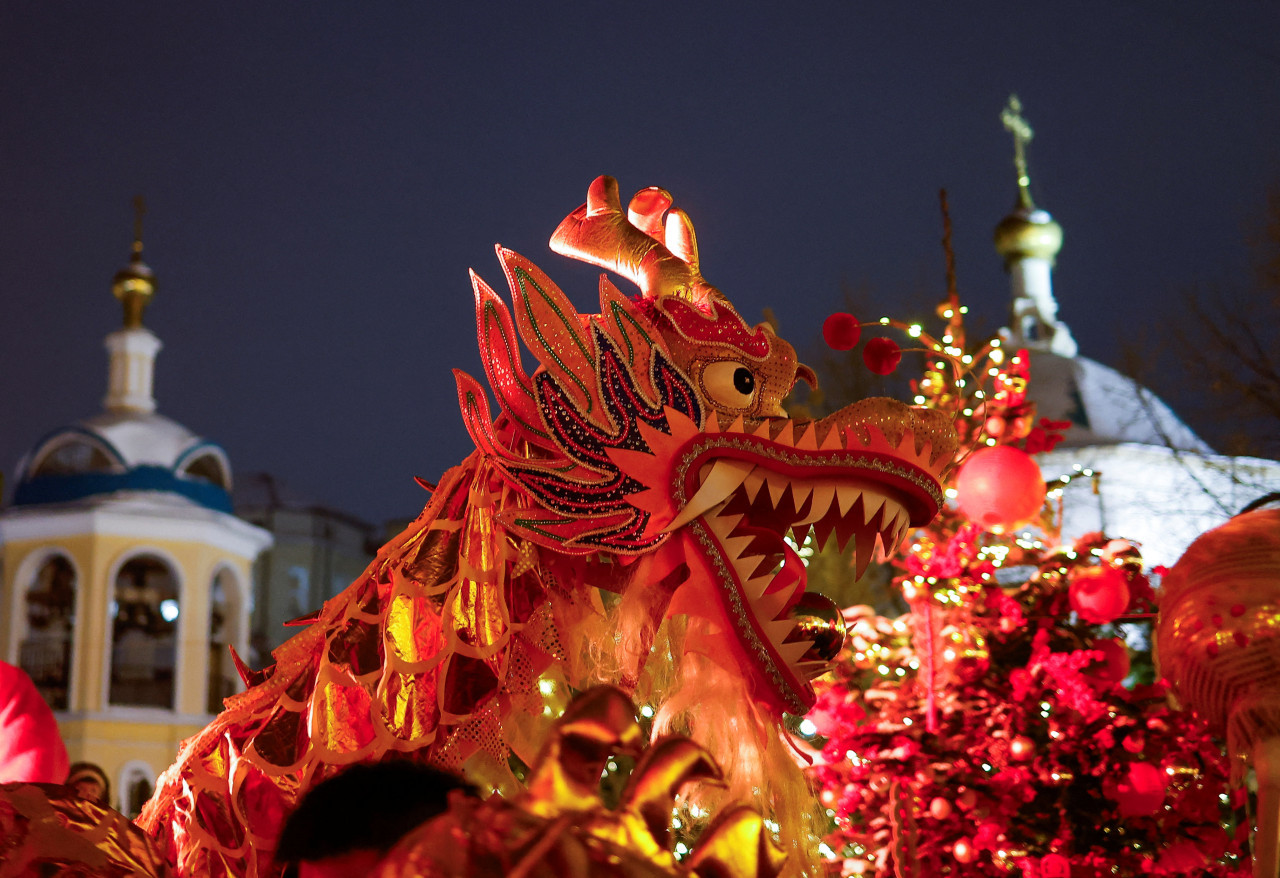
648	456
653	433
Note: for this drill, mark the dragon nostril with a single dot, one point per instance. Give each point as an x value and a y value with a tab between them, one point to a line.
818	619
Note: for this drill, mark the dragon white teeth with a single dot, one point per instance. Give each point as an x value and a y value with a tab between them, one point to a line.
723	525
776	489
819	505
771	605
778	629
872	503
753	484
800	492
793	652
864	550
724	477
810	670
847	495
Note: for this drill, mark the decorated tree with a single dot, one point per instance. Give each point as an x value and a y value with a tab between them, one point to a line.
1011	720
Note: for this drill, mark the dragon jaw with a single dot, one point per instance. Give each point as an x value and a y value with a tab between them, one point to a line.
732	497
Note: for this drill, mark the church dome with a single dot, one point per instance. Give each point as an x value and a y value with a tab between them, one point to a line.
1103	406
124	451
1028	233
128	447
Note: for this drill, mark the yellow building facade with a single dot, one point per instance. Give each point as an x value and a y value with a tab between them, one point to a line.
125	577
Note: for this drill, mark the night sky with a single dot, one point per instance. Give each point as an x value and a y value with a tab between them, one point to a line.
320	176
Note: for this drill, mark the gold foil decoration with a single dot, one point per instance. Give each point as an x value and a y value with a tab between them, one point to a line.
561	827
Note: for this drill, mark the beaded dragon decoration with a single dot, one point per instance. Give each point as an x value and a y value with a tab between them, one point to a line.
621	520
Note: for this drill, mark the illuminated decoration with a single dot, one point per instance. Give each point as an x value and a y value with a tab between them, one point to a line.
647	459
1218	639
562	826
1000	488
993	731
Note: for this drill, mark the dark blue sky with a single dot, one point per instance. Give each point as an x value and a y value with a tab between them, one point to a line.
320	177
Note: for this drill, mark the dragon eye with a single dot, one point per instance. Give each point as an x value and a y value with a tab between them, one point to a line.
729	384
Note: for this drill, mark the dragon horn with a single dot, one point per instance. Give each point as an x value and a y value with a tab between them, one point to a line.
662	260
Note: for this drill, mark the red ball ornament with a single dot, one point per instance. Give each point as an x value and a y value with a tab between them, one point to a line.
882	355
940	808
962	851
1140	792
1055	866
841	331
1022	748
1114	664
999	488
1099	594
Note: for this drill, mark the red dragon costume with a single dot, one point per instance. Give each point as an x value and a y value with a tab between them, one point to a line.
622	520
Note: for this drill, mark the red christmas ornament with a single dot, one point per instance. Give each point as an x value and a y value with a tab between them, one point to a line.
940	808
1114	664
841	331
1022	748
882	355
1055	866
1000	487
1099	594
962	851
1140	792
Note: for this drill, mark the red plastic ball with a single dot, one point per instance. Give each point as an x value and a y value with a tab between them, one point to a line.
1114	664
882	355
841	331
940	808
1099	594
1141	791
1000	487
1022	748
962	851
1055	866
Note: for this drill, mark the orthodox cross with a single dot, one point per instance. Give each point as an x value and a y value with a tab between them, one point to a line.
1011	116
139	210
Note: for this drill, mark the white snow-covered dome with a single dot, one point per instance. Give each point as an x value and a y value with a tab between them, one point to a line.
1103	406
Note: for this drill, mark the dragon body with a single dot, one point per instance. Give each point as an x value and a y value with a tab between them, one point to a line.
625	508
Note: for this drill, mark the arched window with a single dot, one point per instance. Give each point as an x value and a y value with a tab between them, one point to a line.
137	782
208	468
224	631
78	454
45	653
144	634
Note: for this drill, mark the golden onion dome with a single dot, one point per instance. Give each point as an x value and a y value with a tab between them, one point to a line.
135	284
1028	233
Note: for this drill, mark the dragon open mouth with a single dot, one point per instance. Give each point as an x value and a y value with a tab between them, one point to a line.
751	498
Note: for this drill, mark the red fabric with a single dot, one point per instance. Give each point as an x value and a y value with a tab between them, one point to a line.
31	748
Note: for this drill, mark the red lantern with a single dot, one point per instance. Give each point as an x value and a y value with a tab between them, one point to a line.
841	331
882	355
1099	594
1141	791
1000	487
